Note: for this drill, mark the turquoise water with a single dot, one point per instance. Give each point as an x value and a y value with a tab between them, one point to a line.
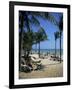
49	51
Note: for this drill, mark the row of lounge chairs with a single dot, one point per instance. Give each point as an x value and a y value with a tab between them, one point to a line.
55	58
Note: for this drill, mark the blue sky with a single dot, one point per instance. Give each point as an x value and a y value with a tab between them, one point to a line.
49	28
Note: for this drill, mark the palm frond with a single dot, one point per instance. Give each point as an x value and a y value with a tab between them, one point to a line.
34	21
52	19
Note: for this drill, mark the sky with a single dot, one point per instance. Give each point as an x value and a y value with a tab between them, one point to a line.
49	28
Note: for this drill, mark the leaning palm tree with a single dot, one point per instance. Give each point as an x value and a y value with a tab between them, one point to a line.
60	30
24	22
56	35
41	37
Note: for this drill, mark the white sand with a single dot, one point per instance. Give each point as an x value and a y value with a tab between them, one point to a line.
51	69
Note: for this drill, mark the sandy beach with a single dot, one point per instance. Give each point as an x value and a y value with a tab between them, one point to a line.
50	68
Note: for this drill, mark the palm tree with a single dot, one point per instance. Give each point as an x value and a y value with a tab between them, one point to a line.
60	30
56	35
28	41
24	21
41	37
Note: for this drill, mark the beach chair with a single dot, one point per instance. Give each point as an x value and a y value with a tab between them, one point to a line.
35	60
55	58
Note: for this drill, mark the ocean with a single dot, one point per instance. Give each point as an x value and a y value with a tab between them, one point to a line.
49	51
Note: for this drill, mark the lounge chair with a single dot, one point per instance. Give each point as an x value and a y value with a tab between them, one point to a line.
35	60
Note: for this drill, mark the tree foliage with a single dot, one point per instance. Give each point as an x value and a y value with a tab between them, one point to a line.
27	37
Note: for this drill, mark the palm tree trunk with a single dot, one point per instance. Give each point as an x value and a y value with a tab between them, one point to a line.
55	47
20	41
39	49
60	47
27	23
36	47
